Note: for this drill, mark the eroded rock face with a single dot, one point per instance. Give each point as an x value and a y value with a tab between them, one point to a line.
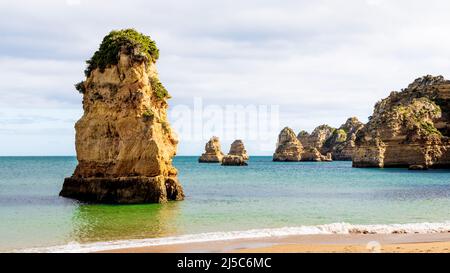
237	148
341	143
326	143
289	147
317	138
303	136
313	143
409	128
124	142
237	155
312	154
213	152
234	160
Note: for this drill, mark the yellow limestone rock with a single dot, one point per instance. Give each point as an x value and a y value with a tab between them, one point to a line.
341	144
213	152
313	143
409	129
124	142
237	155
289	147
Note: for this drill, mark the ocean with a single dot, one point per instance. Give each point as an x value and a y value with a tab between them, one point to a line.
264	198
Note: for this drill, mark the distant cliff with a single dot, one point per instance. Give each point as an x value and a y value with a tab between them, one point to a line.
409	128
124	142
325	143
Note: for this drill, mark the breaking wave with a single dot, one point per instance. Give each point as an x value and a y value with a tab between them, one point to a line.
335	228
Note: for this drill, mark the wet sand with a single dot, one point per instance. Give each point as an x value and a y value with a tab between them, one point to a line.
352	243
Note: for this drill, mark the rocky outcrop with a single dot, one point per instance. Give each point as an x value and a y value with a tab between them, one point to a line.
341	143
313	143
351	126
317	138
124	142
237	155
289	147
303	136
312	154
409	128
234	160
237	148
326	143
213	152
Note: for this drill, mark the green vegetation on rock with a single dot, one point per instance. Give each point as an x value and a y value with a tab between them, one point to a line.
419	113
148	114
338	136
138	45
341	135
80	87
165	126
159	89
429	128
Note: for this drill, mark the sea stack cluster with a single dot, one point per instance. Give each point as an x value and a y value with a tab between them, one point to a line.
324	144
124	142
237	155
409	128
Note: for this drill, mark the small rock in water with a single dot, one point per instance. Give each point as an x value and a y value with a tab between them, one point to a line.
213	153
417	168
237	155
233	160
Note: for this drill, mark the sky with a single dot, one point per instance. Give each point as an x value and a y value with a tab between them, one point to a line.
319	62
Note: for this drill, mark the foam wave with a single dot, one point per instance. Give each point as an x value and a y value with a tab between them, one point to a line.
335	228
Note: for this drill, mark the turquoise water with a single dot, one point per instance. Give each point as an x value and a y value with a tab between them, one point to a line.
264	194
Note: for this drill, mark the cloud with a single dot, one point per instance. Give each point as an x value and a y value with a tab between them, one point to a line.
321	61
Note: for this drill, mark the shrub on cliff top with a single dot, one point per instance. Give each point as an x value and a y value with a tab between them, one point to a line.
132	41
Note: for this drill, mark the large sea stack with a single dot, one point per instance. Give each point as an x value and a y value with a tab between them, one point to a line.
124	142
409	128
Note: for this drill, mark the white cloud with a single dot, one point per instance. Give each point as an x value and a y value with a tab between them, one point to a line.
321	61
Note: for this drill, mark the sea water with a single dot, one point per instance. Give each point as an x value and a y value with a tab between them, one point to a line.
262	199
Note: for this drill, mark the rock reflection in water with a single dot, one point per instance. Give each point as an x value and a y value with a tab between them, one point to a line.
114	222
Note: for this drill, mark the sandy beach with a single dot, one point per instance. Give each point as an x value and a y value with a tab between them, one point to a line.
352	243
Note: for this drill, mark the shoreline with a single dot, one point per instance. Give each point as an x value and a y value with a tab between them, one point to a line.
335	237
330	243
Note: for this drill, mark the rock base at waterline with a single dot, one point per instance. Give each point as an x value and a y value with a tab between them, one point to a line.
234	160
123	190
